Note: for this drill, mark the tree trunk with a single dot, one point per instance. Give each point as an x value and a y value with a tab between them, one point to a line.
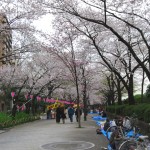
119	92
142	90
14	110
78	103
130	91
108	100
112	87
112	97
85	109
85	100
33	106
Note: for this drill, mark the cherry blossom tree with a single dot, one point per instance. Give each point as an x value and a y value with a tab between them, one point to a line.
35	77
68	49
118	17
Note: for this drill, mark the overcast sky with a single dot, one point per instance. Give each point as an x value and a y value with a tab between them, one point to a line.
45	23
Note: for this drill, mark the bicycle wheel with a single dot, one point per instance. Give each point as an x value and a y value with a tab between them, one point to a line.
128	145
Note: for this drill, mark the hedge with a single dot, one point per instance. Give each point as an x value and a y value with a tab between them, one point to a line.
7	121
142	111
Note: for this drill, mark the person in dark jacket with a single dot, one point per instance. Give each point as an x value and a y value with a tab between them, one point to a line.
58	114
49	113
76	113
70	113
106	124
63	114
103	114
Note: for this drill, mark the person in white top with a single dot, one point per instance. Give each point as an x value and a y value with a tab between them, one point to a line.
112	123
127	123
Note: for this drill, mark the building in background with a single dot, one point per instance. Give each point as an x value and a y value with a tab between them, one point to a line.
6	55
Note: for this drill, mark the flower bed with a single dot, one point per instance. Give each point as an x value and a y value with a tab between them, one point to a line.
7	121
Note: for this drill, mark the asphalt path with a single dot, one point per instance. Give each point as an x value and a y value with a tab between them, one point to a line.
48	135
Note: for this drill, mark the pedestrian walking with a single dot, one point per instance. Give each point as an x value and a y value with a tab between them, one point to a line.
70	113
48	113
63	113
76	113
58	114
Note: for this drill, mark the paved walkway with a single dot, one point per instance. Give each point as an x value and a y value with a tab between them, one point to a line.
47	135
2	131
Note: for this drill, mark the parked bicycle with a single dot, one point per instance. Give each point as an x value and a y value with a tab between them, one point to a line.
126	139
140	143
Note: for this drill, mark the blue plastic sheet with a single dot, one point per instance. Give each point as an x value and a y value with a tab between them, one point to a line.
109	147
100	121
103	132
99	118
132	134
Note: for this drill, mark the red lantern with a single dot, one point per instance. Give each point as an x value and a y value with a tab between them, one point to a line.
12	94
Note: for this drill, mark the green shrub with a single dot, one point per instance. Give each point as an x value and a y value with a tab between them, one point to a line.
147	93
137	98
111	109
4	117
120	109
140	109
147	115
146	99
21	117
128	110
116	109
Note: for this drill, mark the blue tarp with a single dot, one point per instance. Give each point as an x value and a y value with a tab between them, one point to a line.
103	132
109	147
100	121
99	118
131	134
128	134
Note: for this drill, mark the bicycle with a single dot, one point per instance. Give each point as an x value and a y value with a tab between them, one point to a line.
115	134
142	143
122	131
129	139
135	142
126	140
